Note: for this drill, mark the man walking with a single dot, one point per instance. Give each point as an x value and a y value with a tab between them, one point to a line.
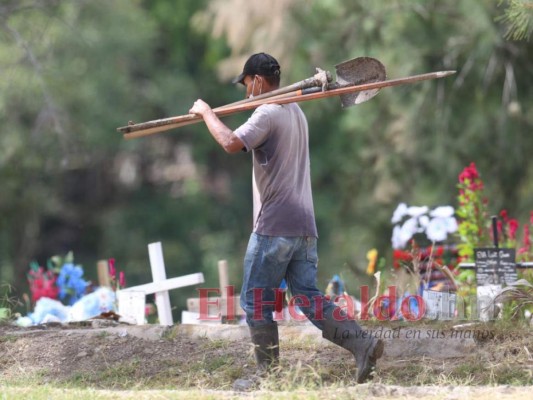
283	244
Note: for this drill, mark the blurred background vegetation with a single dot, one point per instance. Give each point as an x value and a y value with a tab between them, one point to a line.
73	71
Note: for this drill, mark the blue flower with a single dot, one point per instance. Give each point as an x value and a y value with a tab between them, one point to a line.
70	282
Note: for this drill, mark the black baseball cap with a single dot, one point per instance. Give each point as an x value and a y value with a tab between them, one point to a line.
259	64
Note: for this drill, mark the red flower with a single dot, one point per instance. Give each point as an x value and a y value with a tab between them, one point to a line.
122	279
399	257
513	227
527	241
476	185
470	176
112	270
42	284
469	173
503	214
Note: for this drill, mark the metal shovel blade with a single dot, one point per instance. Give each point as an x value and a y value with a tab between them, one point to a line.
356	72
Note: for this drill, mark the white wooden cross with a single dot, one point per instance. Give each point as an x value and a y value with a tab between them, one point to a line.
132	301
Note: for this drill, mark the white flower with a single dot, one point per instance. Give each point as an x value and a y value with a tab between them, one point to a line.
397	243
400	236
438	228
451	224
442	212
399	213
409	228
423	221
415	211
436	224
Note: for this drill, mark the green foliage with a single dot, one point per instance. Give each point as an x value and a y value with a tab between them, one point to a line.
518	15
67	63
7	302
472	212
77	70
409	143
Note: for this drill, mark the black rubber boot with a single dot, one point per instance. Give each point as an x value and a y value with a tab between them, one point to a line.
349	335
266	346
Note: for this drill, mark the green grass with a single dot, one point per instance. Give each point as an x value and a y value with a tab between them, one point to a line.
46	392
213	344
7	303
49	392
8	338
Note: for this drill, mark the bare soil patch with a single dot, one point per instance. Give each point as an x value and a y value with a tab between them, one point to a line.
114	356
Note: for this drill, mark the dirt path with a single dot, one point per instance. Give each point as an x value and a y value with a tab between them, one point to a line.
418	362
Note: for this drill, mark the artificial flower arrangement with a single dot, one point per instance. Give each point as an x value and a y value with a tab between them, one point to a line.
422	243
454	235
59	292
61	279
422	223
421	254
430	243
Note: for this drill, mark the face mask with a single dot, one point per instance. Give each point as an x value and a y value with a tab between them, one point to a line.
253	88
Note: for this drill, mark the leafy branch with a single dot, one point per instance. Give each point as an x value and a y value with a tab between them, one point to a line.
519	18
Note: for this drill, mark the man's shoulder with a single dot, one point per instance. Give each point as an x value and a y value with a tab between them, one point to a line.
269	107
279	108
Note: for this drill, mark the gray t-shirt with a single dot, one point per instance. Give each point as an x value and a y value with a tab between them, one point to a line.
283	202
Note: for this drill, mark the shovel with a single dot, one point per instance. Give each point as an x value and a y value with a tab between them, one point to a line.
368	89
356	72
163	125
349	73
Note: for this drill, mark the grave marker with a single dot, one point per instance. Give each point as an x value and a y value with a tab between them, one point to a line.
495	266
132	300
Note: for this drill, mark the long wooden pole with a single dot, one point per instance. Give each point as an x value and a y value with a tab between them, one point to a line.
161	125
156	126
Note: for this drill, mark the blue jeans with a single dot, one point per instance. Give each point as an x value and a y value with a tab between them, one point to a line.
268	260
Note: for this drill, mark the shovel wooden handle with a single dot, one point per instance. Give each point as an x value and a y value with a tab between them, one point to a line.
161	125
152	127
320	79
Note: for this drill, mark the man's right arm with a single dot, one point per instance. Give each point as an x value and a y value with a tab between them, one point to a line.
220	132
